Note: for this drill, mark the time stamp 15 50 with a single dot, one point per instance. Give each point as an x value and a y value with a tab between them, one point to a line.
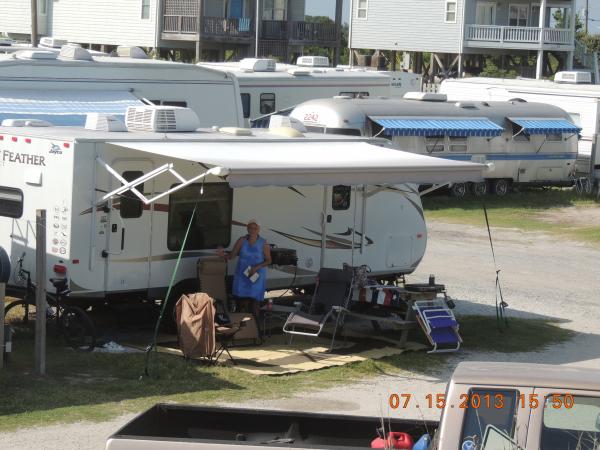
476	401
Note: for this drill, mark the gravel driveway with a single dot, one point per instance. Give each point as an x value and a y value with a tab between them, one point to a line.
542	276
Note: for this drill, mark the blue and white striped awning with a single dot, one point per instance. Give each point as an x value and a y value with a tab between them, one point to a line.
410	126
62	107
545	126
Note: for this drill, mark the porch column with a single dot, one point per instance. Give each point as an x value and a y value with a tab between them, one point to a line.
199	30
540	58
338	31
251	51
572	23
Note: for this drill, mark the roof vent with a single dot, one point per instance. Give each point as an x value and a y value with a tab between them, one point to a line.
104	122
73	53
258	65
343	97
277	121
299	72
313	61
161	119
25	123
36	54
425	97
235	131
574	77
124	51
51	42
466	105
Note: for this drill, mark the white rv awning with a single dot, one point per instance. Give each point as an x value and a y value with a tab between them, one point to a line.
311	163
63	107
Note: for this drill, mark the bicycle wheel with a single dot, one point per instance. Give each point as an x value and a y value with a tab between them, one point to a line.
78	329
19	312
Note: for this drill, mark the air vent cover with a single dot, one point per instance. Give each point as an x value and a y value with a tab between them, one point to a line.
161	119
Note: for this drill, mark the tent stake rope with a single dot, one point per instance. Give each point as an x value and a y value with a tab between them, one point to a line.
501	305
152	345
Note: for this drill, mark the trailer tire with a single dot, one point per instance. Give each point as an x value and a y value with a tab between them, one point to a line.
501	187
458	190
4	266
480	189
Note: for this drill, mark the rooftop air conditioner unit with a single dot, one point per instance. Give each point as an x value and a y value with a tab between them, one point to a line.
161	119
574	77
124	51
426	97
104	122
35	54
51	42
25	123
313	61
73	53
258	65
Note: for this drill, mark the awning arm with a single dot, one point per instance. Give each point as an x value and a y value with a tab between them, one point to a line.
131	185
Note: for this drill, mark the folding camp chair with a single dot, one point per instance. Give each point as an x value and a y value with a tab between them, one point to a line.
332	292
211	278
438	324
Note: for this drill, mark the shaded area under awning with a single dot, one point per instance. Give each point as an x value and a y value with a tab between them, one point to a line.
410	126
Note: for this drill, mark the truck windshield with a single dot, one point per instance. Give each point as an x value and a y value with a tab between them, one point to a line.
571	422
487	408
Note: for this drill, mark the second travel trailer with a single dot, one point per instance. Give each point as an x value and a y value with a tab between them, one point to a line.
62	86
267	86
119	204
522	143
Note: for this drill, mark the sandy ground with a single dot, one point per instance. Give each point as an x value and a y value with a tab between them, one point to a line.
541	276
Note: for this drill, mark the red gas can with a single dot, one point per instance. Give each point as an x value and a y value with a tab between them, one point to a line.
394	440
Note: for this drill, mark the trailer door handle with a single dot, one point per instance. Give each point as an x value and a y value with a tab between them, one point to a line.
122	238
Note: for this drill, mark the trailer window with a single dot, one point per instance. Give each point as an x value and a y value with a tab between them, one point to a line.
458	144
519	134
571	422
246	105
340	199
179	103
130	206
11	202
554	137
267	103
211	226
434	144
354	94
484	407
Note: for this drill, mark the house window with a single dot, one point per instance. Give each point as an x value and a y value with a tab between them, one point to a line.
131	207
517	15
246	105
450	11
458	144
363	5
42	7
434	144
274	10
145	9
211	225
485	407
11	202
340	200
267	103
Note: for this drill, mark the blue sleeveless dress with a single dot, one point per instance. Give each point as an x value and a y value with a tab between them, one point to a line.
250	255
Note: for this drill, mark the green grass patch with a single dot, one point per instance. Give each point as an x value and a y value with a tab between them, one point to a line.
100	386
522	210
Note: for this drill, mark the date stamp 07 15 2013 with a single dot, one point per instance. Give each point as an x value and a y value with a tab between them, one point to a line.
476	401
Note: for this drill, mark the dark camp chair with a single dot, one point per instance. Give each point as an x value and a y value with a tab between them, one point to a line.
332	292
439	325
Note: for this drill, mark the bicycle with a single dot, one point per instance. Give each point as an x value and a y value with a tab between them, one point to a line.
72	322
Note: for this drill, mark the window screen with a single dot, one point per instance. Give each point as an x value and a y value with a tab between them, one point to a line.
267	103
211	225
485	407
11	202
340	199
131	207
246	105
458	144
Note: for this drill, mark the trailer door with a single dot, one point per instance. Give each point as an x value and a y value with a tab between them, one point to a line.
342	226
129	237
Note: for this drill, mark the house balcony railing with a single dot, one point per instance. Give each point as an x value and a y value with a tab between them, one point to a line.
211	26
298	31
519	35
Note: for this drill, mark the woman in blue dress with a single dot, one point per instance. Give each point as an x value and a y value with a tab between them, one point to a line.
254	257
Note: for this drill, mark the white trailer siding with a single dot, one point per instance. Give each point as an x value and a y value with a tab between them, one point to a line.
113	22
407	25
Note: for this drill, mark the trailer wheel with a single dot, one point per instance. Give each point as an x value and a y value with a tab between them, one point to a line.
501	187
480	189
458	190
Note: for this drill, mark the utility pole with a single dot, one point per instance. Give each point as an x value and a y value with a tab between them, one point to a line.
40	292
34	30
256	25
587	15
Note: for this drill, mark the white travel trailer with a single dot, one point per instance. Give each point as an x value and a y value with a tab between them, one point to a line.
62	86
333	199
267	86
581	101
526	143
